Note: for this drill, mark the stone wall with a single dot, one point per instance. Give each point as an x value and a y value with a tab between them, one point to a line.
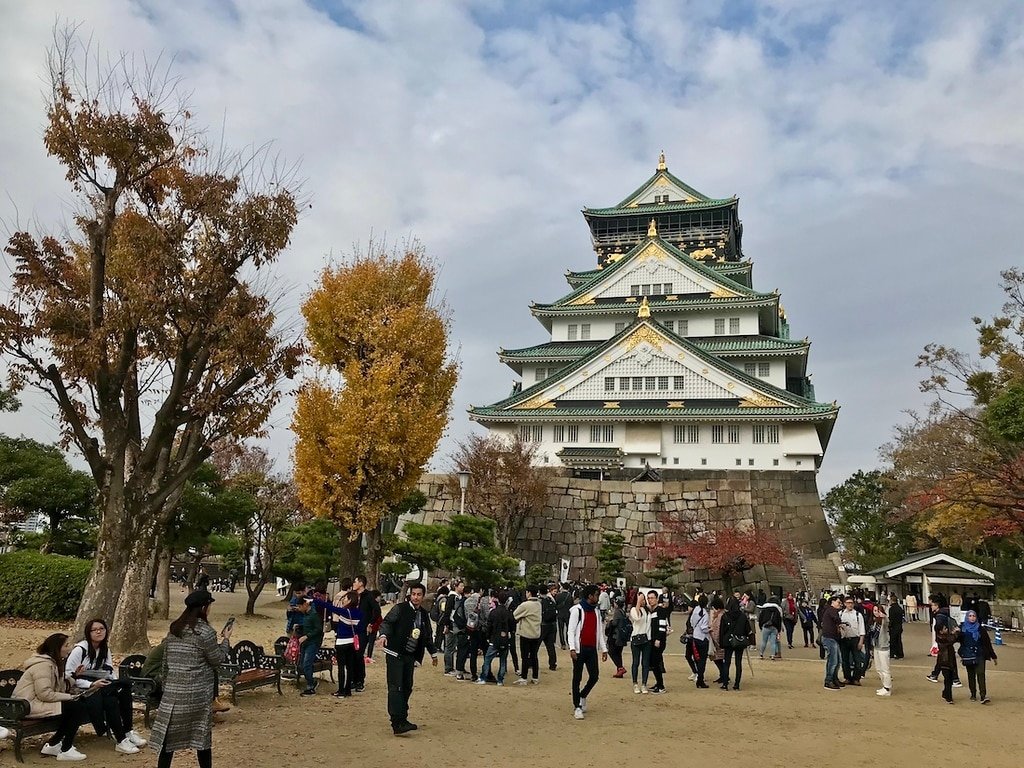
578	511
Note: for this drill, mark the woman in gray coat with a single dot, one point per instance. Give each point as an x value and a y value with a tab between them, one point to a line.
192	653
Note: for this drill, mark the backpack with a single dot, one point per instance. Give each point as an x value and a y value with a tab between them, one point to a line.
548	612
459	618
623	630
471	613
483	612
767	617
739	635
437	609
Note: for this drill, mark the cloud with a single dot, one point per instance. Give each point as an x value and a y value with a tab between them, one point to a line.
875	149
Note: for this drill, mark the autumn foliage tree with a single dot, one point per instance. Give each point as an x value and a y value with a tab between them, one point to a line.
374	325
147	323
724	550
505	486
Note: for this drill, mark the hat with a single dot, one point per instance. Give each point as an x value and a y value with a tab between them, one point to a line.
198	599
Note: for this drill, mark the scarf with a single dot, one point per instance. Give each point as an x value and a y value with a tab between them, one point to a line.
586	606
972	628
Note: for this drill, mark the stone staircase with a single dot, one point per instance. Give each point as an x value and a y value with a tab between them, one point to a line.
812	574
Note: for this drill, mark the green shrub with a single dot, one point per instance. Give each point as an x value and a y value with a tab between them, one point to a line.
42	587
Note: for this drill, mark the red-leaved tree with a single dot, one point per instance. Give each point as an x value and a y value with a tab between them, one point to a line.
722	549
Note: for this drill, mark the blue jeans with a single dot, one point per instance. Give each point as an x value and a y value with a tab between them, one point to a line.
831	658
306	658
489	656
770	638
641	661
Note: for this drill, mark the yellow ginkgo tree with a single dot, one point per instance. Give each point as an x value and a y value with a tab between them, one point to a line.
369	424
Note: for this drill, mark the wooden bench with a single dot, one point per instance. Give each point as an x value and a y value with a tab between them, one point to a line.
249	668
324	662
14	714
144	689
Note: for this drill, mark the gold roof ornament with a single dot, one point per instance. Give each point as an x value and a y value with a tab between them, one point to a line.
652	229
645	309
661	161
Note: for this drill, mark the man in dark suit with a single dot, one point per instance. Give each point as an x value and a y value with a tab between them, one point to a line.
404	634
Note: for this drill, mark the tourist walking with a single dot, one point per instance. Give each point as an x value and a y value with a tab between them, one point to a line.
789	617
735	633
499	640
466	620
311	636
446	625
769	618
618	630
851	644
549	624
808	619
193	654
938	610
405	634
700	623
640	642
882	644
528	615
90	665
347	618
895	615
831	634
50	693
946	635
586	641
369	608
563	602
975	650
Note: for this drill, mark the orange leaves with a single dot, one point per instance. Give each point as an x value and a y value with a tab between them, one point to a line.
361	448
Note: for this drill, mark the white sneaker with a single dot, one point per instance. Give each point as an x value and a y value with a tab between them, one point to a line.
643	689
957	684
578	714
534	681
692	677
636	688
481	681
125	747
883	692
71	756
137	740
520	681
50	750
583	703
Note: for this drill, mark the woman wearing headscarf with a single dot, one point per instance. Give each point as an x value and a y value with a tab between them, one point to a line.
975	649
735	628
185	717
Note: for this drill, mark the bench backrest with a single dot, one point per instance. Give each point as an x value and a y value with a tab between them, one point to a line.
246	654
280	645
131	666
8	680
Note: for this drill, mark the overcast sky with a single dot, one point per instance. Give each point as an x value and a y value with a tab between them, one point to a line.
877	148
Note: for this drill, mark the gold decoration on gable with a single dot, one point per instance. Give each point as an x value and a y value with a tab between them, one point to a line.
662	166
722	293
644	334
540	401
584	299
652	251
703	253
652	229
611	405
675	404
757	400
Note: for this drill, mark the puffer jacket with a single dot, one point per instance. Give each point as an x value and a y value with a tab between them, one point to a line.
42	687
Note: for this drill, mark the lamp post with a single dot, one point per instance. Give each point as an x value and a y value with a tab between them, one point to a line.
463	485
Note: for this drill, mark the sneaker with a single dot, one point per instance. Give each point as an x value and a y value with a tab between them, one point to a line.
693	677
643	689
359	688
986	700
307	692
583	703
401	729
534	681
832	687
501	684
72	756
974	697
655	690
450	673
931	678
125	747
520	681
137	740
482	681
578	714
50	750
883	692
460	676
636	688
957	684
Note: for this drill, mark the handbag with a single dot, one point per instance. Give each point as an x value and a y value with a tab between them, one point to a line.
291	651
641	639
355	642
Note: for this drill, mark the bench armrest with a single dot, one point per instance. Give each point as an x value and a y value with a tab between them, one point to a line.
142	687
228	671
12	710
271	661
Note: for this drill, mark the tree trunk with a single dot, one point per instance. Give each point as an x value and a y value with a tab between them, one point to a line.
374	554
113	549
253	593
162	606
350	556
128	632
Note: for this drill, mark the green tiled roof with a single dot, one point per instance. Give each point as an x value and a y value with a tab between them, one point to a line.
695	350
655	303
599	413
570	350
595	453
659	208
679	255
701	201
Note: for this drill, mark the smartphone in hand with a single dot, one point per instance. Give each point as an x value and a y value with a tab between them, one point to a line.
228	627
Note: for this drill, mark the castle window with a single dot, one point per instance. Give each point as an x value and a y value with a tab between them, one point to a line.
663	382
585	330
624	383
574	434
543	373
734	325
750	369
572	331
649	382
646	290
656	289
772	431
602	433
719	327
717	433
684	328
686	433
667	287
764	370
775	462
734	433
634	290
677	382
620	327
558	433
638	383
531	433
758	432
670	324
609	383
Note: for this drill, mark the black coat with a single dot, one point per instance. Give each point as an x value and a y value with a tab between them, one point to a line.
397	627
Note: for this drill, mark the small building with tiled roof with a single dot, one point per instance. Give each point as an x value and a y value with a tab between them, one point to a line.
665	355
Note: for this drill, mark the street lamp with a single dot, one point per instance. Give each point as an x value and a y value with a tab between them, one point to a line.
463	485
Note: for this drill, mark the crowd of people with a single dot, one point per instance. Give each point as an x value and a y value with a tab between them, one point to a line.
471	628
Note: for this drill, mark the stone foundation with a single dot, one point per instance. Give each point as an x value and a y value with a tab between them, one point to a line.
578	511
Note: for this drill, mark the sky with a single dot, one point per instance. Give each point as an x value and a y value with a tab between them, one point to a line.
877	149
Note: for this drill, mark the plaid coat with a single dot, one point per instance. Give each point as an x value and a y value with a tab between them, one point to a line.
185	717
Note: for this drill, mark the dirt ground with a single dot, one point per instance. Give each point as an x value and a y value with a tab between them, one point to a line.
782	710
